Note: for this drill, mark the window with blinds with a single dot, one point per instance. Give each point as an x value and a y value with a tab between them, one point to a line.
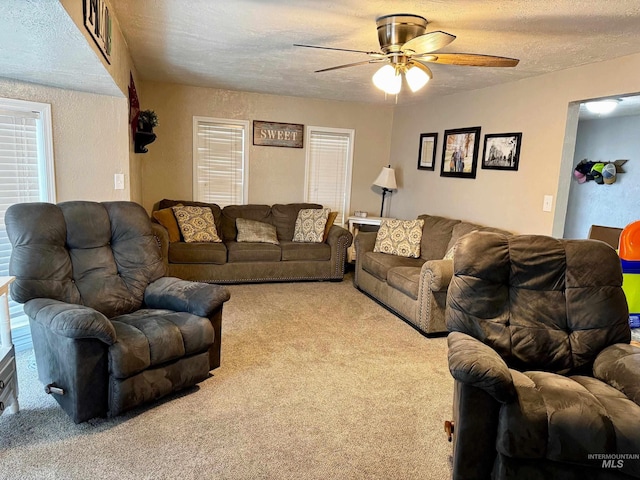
328	169
26	175
220	165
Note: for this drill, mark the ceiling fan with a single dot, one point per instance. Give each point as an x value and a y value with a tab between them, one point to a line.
406	49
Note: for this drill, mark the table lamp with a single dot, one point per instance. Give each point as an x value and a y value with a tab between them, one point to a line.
387	181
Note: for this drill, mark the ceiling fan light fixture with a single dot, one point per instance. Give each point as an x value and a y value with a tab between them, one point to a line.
602	107
388	80
416	78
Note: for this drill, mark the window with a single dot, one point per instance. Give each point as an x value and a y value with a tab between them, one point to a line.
220	164
328	169
26	175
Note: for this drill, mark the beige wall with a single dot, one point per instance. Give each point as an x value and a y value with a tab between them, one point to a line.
537	107
120	68
121	62
90	140
276	175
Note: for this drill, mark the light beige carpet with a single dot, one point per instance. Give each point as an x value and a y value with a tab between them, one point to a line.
317	382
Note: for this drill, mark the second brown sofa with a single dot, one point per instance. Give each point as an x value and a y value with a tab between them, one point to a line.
413	288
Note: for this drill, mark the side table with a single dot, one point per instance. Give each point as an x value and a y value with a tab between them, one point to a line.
8	376
354	227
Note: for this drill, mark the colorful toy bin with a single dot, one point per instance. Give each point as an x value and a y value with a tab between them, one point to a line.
629	252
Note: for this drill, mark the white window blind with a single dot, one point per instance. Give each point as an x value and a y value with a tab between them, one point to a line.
328	171
219	161
26	175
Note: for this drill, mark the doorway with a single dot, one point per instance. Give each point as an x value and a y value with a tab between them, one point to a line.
601	138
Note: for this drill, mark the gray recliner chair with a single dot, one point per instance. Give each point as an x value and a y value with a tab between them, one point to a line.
546	382
109	331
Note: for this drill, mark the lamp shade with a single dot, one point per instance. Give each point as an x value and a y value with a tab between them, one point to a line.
386	179
388	80
417	76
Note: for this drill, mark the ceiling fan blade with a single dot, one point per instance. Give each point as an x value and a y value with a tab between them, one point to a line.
429	42
338	49
350	65
469	60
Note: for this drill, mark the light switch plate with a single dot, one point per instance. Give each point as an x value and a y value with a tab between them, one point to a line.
547	203
118	180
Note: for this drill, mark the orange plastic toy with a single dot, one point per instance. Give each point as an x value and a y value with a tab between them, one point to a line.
630	242
629	252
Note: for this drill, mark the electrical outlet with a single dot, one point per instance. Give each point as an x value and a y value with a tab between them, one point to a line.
118	180
547	203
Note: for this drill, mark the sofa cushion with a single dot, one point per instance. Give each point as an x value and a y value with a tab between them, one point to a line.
167	219
228	231
284	217
310	225
253	231
405	279
208	252
378	264
436	234
399	237
196	224
215	209
151	337
305	251
542	424
253	252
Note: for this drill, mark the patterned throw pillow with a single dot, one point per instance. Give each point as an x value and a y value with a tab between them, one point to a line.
310	225
450	253
196	224
399	237
254	231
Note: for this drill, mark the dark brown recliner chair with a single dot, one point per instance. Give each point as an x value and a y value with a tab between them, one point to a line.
546	382
109	331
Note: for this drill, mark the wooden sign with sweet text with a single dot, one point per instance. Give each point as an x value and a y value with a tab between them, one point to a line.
274	134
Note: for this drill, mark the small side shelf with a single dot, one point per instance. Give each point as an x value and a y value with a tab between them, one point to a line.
8	375
143	139
354	227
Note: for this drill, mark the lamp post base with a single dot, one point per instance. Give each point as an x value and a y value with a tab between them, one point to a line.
384	192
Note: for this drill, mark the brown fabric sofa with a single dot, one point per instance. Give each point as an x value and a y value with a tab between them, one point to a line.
546	382
413	288
245	262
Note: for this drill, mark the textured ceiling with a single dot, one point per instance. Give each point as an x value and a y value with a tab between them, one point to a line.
248	44
40	43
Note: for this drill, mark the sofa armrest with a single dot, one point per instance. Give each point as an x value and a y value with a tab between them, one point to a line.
439	273
339	240
71	320
619	366
473	363
336	234
171	293
364	242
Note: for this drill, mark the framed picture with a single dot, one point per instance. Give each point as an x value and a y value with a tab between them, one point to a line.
427	152
460	152
501	151
97	20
